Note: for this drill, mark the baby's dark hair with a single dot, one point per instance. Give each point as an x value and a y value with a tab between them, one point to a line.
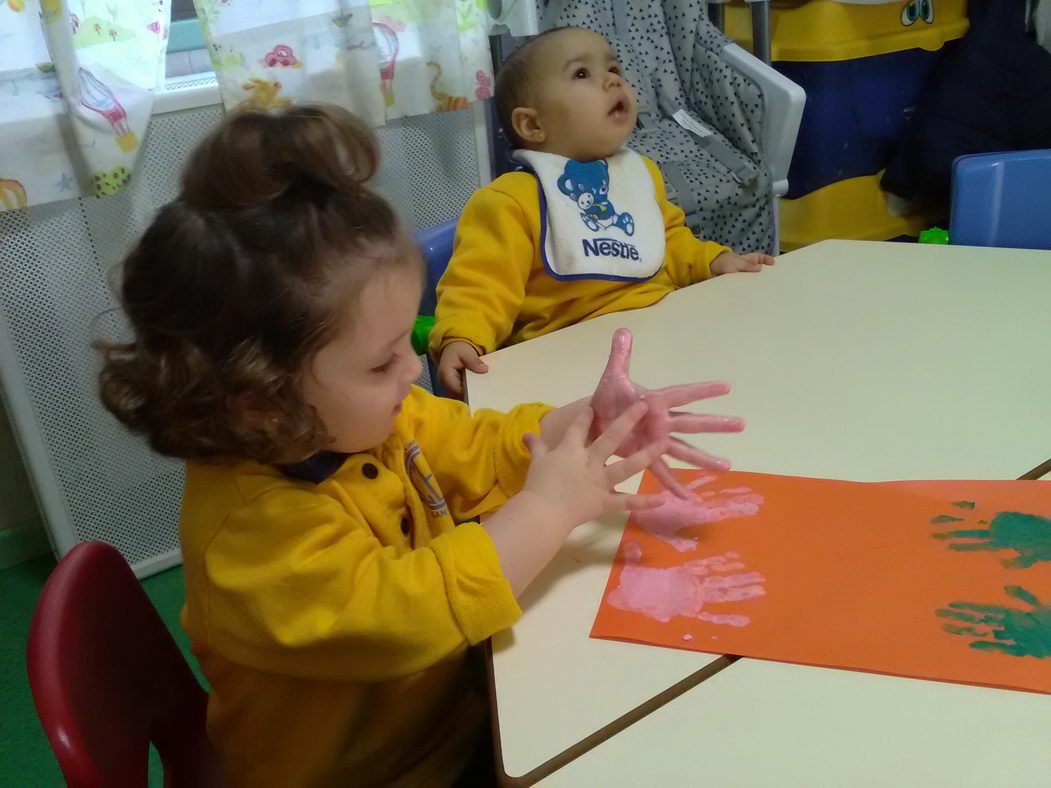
516	82
238	283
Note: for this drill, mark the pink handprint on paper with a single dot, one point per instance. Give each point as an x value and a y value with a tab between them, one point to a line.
687	589
616	392
709	506
96	96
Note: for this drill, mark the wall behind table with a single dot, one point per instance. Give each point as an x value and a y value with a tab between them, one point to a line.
21	531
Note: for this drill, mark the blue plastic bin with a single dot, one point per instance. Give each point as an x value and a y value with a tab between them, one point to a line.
1002	199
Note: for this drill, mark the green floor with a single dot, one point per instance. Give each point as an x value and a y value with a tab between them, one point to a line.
26	760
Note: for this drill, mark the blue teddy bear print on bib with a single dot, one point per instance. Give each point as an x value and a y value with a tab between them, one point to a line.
587	184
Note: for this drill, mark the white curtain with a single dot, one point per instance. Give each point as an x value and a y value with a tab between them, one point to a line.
76	91
381	59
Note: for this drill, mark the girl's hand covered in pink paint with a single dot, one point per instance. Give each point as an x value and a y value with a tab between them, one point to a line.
616	393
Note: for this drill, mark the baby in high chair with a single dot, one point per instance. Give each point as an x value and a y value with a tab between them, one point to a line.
585	229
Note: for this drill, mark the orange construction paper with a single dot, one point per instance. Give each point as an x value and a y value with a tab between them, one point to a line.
943	580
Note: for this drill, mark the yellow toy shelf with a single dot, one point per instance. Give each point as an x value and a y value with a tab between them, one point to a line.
854	209
823	31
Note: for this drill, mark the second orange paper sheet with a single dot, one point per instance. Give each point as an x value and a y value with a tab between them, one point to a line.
945	580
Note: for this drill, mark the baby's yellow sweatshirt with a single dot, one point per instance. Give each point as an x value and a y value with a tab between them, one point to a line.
331	608
496	290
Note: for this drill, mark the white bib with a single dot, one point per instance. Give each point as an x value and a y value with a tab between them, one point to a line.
598	219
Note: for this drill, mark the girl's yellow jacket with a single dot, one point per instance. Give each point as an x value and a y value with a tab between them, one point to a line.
332	617
496	291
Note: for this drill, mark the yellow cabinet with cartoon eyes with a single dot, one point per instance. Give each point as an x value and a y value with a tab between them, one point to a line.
822	31
864	68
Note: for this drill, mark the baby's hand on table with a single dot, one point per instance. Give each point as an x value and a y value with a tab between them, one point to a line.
616	393
455	357
729	263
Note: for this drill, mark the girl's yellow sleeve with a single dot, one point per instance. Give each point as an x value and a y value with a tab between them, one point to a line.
298	587
481	293
479	460
687	259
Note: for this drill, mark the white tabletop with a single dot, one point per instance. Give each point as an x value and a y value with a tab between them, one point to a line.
773	724
853	360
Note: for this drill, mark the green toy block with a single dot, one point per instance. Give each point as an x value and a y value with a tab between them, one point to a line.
421	332
935	235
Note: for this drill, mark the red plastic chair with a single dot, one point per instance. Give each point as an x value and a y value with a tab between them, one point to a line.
108	679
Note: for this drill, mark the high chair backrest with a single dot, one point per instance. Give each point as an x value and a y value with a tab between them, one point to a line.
1001	199
436	245
108	679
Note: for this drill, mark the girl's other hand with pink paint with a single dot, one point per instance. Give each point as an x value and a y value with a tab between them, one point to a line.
572	476
616	392
568	484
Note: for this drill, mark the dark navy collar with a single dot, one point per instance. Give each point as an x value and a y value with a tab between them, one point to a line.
317	468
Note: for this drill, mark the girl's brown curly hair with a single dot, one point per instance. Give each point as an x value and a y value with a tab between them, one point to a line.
242	279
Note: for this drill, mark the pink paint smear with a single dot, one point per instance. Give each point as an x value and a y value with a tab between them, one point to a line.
685	590
709	506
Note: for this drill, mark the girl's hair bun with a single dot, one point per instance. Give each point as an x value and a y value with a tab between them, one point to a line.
256	157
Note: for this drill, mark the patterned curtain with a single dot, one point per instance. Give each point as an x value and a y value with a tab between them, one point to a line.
382	59
76	91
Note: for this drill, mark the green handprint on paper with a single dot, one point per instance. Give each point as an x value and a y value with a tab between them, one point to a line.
952	518
1007	630
1029	535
